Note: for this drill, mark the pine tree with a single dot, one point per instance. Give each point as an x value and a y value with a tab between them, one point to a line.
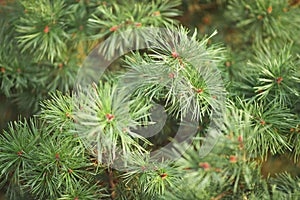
189	111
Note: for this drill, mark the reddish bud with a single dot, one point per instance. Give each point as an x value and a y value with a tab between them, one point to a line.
56	156
114	28
260	91
171	75
269	10
109	117
240	138
199	91
241	146
228	64
157	13
60	65
206	20
20	153
262	122
218	170
292	130
68	115
76	198
138	24
233	159
46	29
204	165
279	79
164	175
174	54
143	168
2	69
214	97
70	171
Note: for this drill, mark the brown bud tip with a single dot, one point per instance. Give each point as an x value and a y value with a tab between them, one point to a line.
218	170
81	27
233	159
2	69
204	165
164	175
240	138
199	91
157	13
46	29
109	117
260	17
228	64
171	75
19	153
262	122
174	54
114	28
292	130
68	115
70	170
206	20
269	10
138	24
279	80
57	156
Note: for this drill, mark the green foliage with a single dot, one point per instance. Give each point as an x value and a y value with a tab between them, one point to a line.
16	149
270	126
265	20
94	143
106	122
57	166
179	72
41	30
58	112
276	75
35	161
287	185
43	45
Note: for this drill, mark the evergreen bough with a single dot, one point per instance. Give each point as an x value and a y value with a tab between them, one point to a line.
69	148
